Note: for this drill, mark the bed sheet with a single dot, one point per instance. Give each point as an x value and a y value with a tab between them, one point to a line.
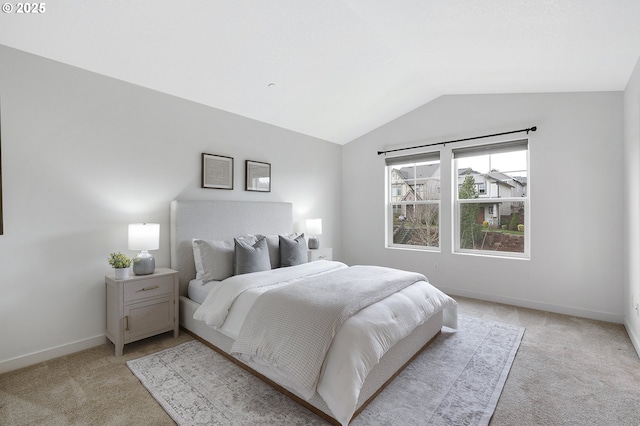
197	290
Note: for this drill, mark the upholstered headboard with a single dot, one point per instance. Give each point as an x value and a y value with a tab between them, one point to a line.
220	220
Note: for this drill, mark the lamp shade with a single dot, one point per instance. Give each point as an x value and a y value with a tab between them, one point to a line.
314	226
144	236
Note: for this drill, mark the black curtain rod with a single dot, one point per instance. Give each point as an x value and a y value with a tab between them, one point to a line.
530	129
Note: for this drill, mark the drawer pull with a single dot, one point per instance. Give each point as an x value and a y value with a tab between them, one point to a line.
153	287
126	319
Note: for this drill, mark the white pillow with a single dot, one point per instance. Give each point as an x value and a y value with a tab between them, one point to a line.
214	259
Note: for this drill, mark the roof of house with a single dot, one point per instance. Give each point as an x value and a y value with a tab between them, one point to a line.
420	172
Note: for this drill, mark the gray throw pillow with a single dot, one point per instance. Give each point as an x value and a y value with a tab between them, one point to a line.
293	251
251	258
273	243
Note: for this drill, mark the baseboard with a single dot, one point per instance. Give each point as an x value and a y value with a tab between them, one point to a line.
634	338
51	353
532	304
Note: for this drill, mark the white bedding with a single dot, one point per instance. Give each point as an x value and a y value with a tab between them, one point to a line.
198	292
291	328
374	329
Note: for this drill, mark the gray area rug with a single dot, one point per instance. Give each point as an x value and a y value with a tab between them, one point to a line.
457	380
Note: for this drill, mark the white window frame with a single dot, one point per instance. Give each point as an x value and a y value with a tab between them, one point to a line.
413	159
491	147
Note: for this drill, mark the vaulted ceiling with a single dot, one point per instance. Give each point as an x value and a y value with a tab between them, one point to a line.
337	69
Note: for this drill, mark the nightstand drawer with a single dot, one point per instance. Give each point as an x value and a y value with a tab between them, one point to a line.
320	254
142	289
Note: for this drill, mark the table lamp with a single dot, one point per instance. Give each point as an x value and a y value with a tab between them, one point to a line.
143	237
314	228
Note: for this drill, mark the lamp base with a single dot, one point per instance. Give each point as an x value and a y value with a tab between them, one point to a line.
144	263
314	243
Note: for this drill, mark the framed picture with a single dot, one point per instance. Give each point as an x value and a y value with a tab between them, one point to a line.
217	171
1	225
258	177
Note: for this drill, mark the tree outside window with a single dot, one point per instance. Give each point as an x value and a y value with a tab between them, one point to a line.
470	229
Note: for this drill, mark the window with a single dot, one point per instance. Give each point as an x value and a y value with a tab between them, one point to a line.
495	220
413	200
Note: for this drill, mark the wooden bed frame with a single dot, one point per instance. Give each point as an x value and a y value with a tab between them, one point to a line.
224	220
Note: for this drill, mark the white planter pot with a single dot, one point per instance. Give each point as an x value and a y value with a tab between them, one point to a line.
121	273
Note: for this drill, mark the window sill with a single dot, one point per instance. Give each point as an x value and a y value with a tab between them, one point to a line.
494	254
415	248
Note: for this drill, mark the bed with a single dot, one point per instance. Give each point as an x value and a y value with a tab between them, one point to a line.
226	220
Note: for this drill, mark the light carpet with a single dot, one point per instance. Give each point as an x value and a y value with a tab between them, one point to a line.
457	380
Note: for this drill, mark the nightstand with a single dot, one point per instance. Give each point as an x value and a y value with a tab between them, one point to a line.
141	306
320	254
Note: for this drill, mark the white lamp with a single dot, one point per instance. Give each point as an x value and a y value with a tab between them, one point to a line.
314	228
143	237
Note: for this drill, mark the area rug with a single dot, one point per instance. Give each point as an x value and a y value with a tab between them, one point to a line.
457	380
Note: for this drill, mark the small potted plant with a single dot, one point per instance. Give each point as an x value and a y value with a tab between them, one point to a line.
120	263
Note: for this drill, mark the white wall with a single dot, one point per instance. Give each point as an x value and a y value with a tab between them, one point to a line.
632	205
84	155
576	195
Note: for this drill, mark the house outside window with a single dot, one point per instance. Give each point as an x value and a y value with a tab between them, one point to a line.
494	222
413	201
489	209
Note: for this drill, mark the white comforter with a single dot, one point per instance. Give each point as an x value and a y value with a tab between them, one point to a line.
358	344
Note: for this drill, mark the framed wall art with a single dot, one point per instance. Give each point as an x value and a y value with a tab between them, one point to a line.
258	176
217	171
1	225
